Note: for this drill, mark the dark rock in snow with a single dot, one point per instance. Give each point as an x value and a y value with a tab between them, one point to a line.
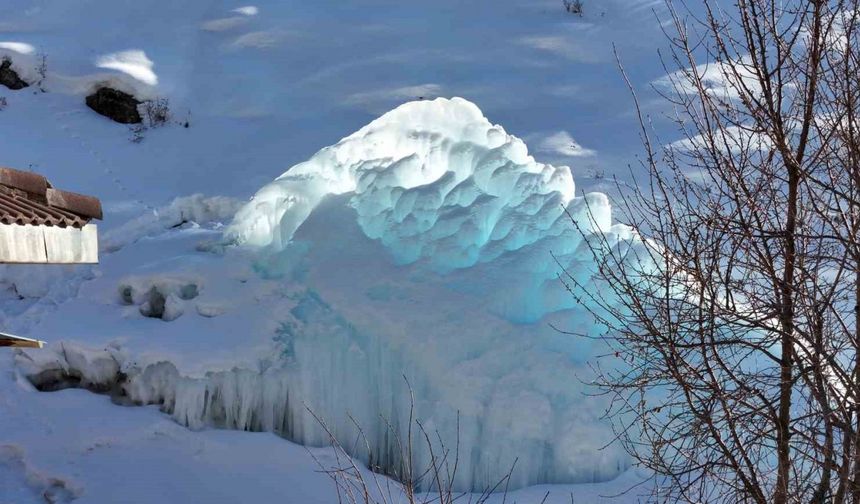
9	77
167	307
116	105
126	294
154	306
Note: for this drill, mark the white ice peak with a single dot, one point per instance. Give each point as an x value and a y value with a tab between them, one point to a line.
431	179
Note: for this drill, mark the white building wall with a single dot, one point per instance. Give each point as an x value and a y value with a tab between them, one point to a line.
48	244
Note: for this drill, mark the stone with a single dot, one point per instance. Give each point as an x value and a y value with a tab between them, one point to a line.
153	307
9	77
115	105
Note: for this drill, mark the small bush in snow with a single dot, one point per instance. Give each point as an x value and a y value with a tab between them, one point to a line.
42	71
3	102
419	484
573	6
157	112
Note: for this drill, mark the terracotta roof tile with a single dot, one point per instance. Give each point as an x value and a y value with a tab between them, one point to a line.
28	198
79	204
25	181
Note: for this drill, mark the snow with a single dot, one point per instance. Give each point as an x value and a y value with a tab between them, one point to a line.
23	57
564	144
18	47
223	24
722	80
133	62
101	452
196	208
357	288
248	10
77	444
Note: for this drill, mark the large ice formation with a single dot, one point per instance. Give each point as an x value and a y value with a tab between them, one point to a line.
432	180
424	247
437	184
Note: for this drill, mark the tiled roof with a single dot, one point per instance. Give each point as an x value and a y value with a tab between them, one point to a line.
10	340
28	198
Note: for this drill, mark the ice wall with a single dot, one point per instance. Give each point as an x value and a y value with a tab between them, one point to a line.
430	242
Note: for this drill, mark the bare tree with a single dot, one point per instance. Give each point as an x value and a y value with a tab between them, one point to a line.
732	319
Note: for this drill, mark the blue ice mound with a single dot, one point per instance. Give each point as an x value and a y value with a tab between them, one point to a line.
432	180
429	244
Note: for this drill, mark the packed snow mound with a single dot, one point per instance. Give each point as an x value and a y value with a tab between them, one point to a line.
433	180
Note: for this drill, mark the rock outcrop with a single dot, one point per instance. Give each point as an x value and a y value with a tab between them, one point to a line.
9	77
115	105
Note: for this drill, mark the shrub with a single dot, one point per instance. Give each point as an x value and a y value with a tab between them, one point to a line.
417	485
157	112
573	6
42	70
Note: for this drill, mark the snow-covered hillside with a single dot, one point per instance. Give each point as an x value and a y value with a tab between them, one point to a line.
434	266
419	247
